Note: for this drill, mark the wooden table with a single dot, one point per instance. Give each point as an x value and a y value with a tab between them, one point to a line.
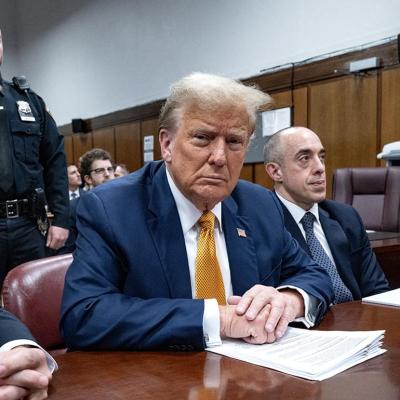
386	246
203	375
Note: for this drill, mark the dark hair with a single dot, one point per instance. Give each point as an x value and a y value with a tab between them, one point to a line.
86	160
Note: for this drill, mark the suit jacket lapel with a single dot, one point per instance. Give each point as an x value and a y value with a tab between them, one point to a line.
166	230
339	246
240	248
294	229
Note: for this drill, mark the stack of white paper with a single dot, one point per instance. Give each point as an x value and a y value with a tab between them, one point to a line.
390	298
314	355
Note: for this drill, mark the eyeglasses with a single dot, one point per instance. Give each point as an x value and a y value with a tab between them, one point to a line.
102	171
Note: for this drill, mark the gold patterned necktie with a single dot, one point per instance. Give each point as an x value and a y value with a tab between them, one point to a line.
209	283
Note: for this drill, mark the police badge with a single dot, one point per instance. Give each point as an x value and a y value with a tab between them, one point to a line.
25	111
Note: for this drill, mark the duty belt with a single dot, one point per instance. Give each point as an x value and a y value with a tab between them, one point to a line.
15	208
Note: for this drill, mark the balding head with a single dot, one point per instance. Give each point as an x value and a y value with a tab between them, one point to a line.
295	160
275	148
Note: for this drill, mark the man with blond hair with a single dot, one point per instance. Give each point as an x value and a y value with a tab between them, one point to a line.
180	253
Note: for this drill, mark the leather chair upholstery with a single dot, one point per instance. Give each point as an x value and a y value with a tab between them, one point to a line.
373	192
32	291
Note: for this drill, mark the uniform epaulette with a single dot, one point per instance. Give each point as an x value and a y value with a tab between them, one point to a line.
20	83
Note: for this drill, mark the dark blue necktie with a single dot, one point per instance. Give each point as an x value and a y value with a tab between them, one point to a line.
73	196
342	293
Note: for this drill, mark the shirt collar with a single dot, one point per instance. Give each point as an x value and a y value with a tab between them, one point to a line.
298	212
188	213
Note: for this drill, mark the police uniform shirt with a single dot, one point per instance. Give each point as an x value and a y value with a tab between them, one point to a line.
37	154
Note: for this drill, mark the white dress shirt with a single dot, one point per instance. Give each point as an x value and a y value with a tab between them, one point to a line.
51	363
71	197
189	215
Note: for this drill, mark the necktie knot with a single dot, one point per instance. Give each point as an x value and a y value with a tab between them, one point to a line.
73	195
207	220
308	222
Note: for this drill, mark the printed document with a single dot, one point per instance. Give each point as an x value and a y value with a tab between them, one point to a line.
390	298
314	355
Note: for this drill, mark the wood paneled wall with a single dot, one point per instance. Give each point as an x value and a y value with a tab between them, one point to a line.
354	115
124	142
128	145
390	106
343	113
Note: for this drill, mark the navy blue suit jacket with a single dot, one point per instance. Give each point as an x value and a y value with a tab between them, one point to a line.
69	245
11	328
350	247
129	284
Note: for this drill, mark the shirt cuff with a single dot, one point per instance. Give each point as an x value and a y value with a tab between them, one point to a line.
310	306
211	323
51	363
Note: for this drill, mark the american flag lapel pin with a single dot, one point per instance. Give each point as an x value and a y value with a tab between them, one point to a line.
241	232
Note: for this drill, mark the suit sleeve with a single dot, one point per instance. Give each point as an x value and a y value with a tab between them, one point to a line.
299	270
12	328
99	312
69	245
371	278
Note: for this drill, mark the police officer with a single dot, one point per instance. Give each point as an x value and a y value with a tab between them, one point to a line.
32	170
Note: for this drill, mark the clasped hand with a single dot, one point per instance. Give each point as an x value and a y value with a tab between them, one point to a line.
24	374
261	315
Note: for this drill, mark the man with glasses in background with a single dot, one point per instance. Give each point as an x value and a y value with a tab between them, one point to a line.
96	167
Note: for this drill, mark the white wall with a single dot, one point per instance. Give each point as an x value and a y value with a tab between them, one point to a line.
91	57
8	16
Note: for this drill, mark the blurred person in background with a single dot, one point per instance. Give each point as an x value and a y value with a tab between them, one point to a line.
74	182
121	170
97	167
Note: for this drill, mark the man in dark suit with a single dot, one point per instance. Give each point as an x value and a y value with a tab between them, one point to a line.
295	161
160	251
74	182
24	371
